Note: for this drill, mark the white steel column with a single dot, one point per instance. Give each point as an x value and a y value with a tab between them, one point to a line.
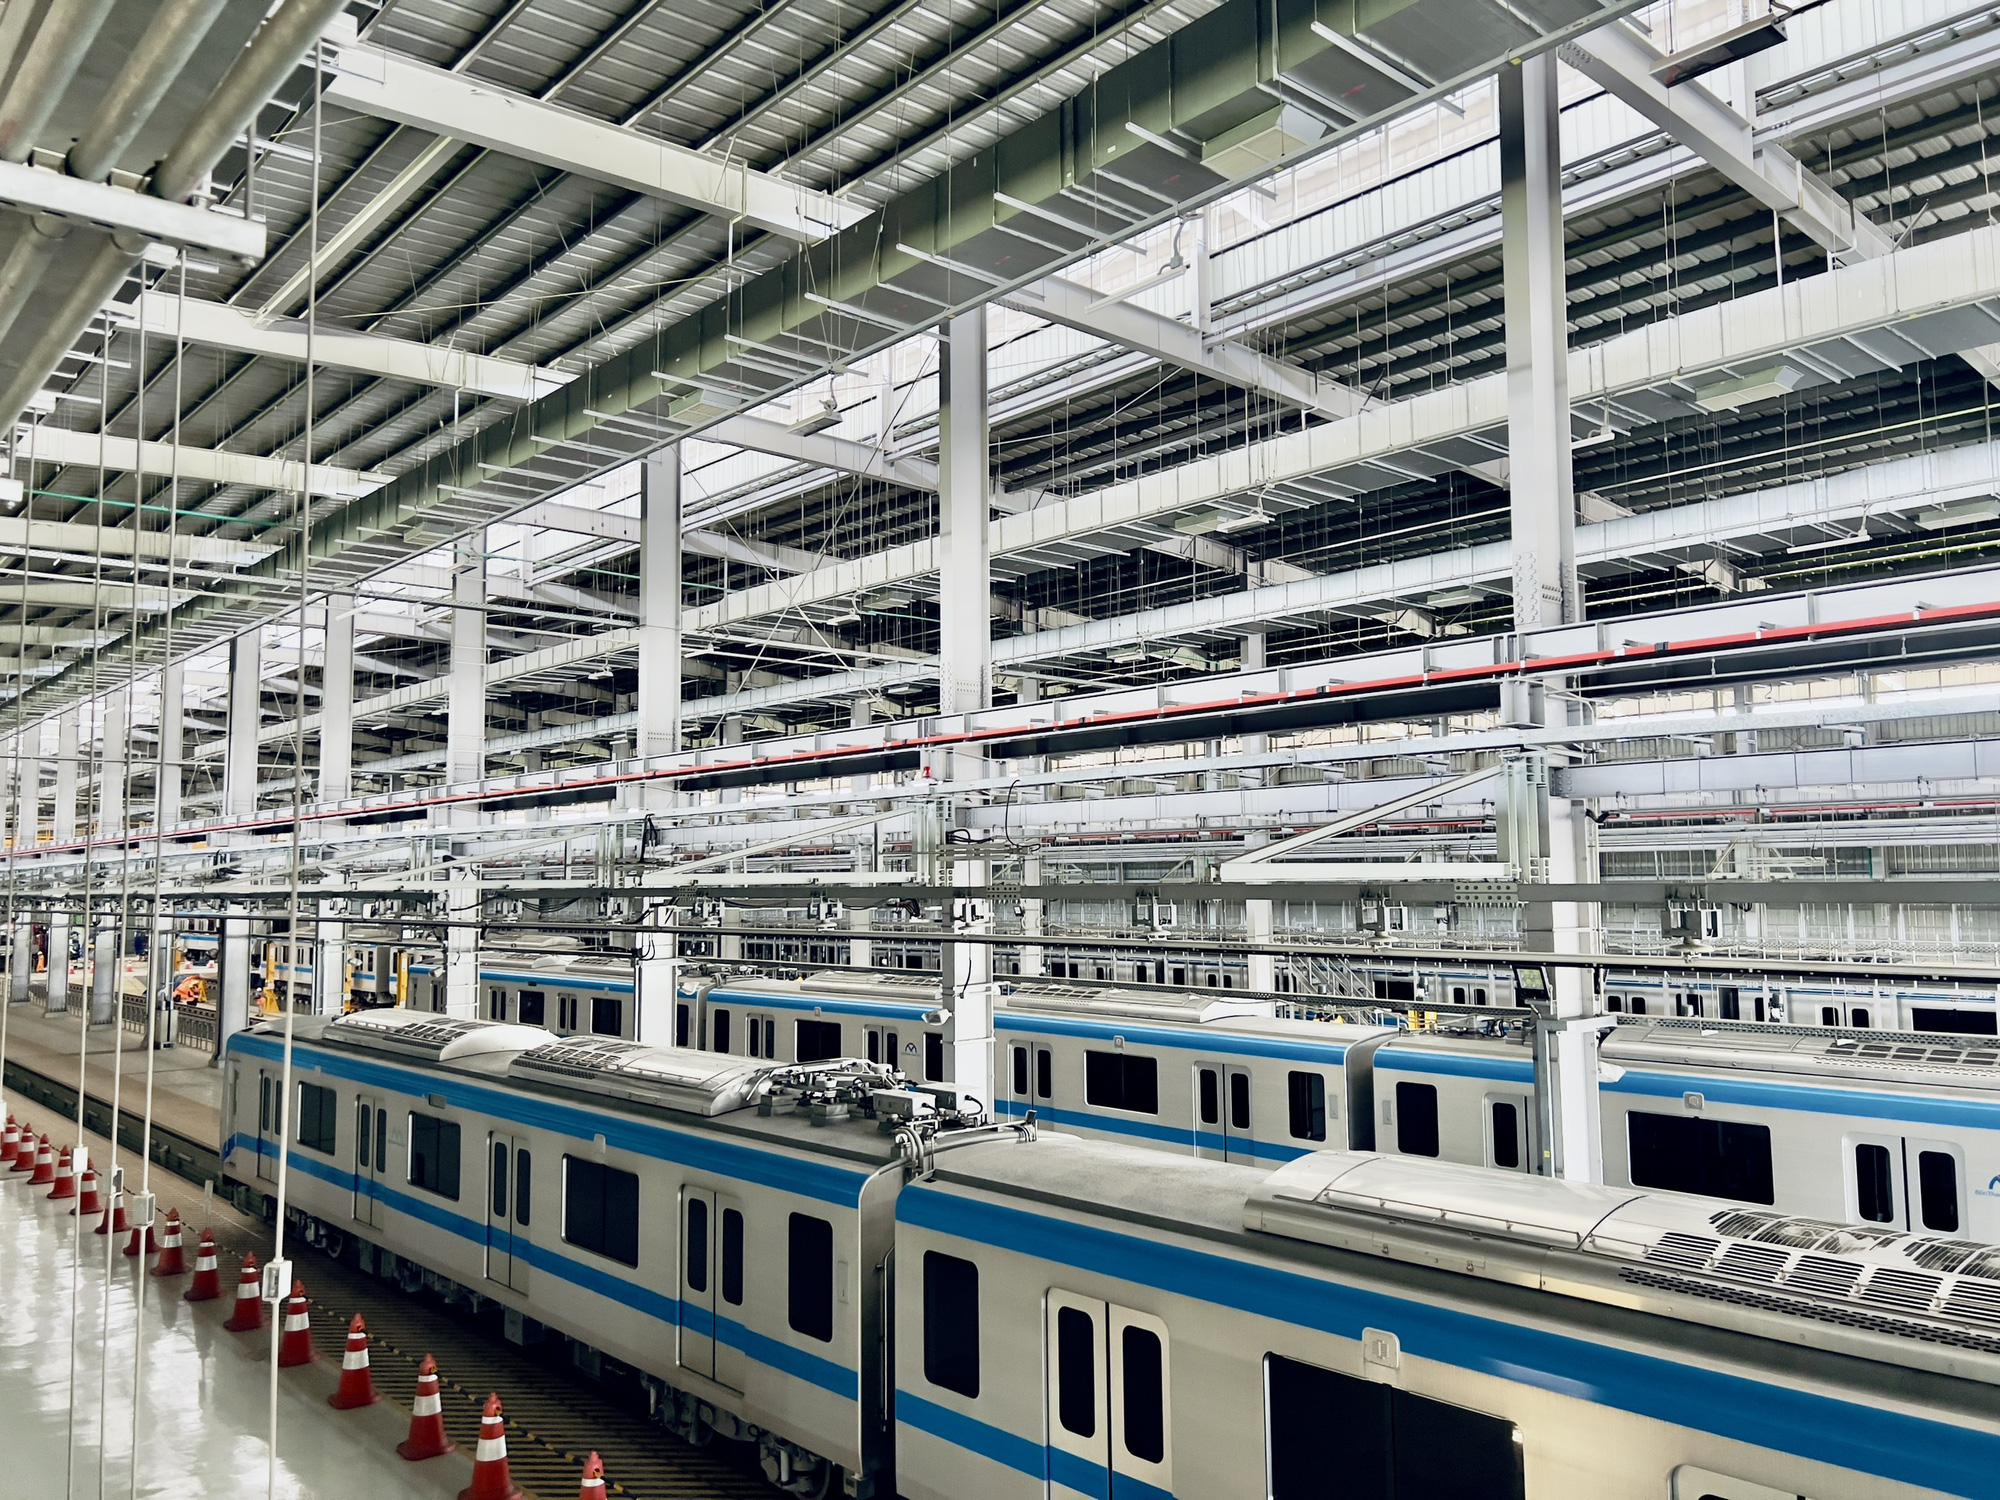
465	707
173	684
246	714
965	677
1543	503
656	965
113	764
22	974
659	729
67	752
232	1000
867	855
336	702
330	961
104	965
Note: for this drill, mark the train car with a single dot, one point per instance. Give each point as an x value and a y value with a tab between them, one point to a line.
1901	1130
701	1220
1076	1319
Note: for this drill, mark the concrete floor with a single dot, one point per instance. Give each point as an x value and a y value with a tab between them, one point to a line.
201	1428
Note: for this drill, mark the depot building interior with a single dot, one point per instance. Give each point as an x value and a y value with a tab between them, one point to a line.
883	534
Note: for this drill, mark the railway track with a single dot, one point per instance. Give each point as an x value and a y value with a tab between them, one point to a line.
556	1414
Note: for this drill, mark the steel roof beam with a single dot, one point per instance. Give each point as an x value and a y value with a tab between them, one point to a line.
42	443
390	86
219	326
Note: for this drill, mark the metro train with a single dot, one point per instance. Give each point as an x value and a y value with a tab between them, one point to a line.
890	1297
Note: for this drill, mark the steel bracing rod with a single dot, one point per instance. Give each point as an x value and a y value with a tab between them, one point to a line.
1436	792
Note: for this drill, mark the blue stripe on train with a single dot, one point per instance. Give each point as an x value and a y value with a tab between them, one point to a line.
1848	1434
1018	1453
1189	1037
815	1370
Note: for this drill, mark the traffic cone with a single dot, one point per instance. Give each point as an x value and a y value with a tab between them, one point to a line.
89	1205
170	1262
45	1164
593	1479
295	1341
24	1155
490	1479
65	1177
113	1222
426	1439
10	1141
132	1244
357	1386
207	1283
248	1314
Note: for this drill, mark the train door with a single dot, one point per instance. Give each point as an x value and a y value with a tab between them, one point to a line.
507	1209
270	1122
760	1034
885	1045
1905	1183
711	1285
1508	1132
1107	1393
1223	1125
371	1158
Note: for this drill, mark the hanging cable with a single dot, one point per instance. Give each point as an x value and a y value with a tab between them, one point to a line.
159	956
303	520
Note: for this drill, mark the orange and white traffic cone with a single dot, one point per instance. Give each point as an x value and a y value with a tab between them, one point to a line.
45	1164
24	1157
593	1479
10	1141
357	1386
426	1439
490	1479
248	1314
113	1222
171	1262
132	1245
295	1340
65	1186
88	1204
207	1283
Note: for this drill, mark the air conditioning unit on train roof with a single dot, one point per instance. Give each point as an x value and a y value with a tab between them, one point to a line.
430	1038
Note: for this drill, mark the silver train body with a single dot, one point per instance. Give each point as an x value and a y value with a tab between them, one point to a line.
1009	1315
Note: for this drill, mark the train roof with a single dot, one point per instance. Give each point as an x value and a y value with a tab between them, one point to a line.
422	1037
1921	1056
1831	1286
678	1078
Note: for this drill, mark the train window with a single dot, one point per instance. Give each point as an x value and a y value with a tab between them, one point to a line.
1020	1058
874	1044
1731	1004
1478	997
1417	1119
434	1155
951	1323
697	1244
732	1256
600	1210
566	1012
1144	1387
1506	1135
1306	1093
1874	1194
1180	976
1211	1097
1118	1080
316	1126
1076	1368
381	1140
718	1032
523	1176
1829	1015
496	1004
818	1040
1937	1189
1964	1022
809	1288
1687	1154
1691	1483
1614	1003
1859	1017
498	1178
1239	1101
1638	1005
934	1057
771	1038
534	1006
607	1015
682	1018
1395	1445
1458	994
